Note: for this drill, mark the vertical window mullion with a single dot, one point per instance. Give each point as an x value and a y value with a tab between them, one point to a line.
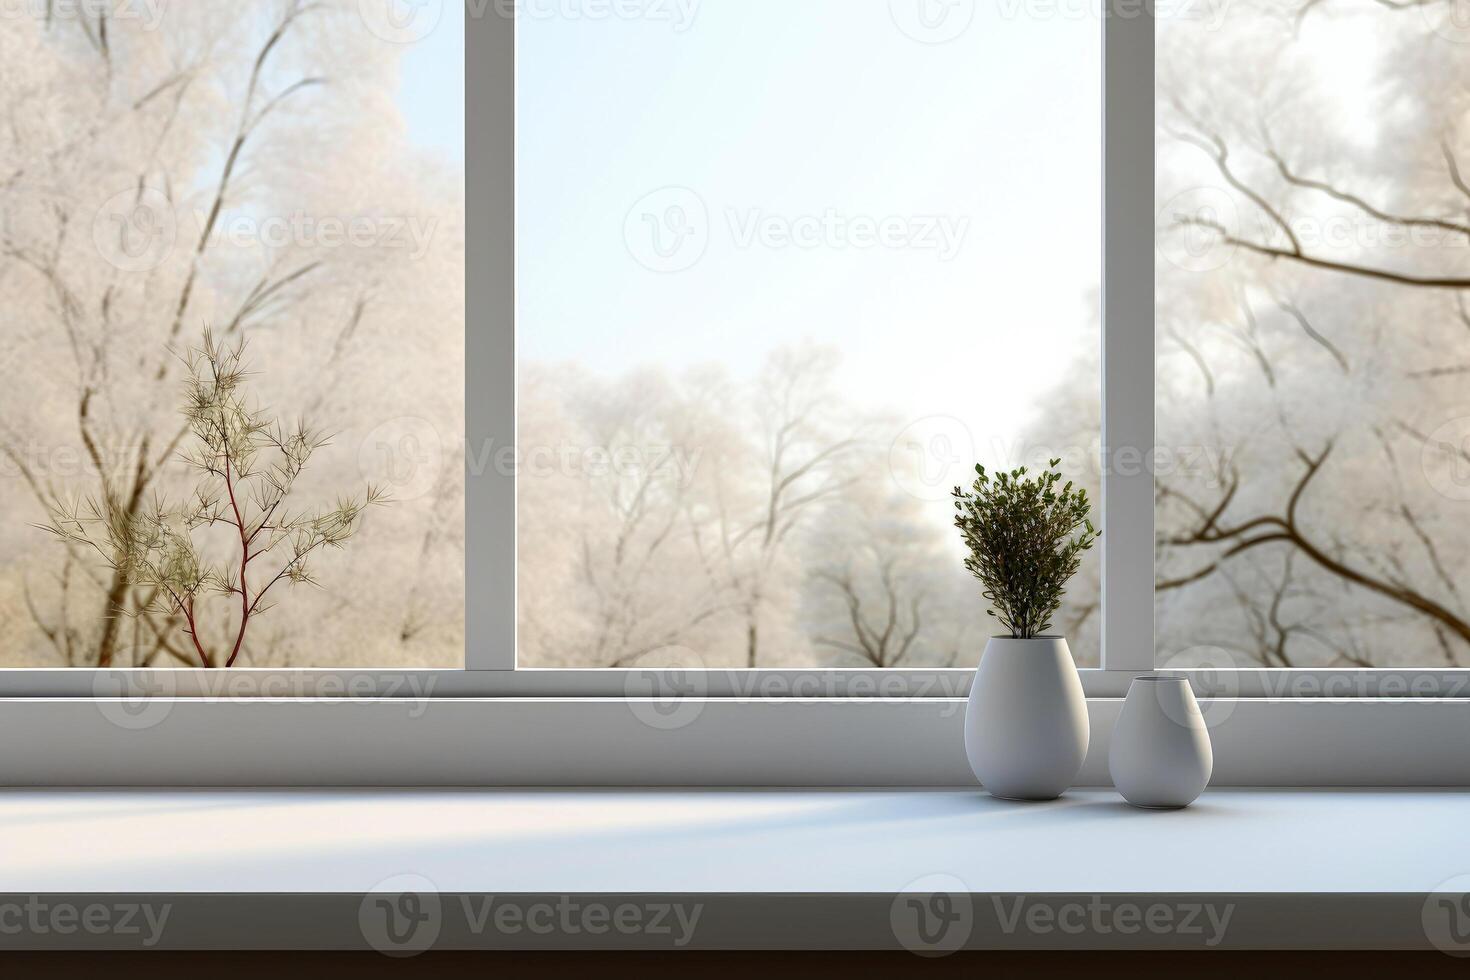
1128	336
490	430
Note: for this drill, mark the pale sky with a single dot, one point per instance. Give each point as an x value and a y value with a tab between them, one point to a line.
804	113
789	111
431	92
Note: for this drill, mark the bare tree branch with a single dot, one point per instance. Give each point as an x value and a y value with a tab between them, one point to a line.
1286	528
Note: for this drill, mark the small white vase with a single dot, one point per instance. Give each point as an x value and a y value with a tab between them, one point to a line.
1160	756
1026	728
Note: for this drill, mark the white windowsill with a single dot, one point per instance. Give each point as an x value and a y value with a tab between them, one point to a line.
632	742
1299	867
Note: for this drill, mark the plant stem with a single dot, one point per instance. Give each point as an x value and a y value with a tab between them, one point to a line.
244	561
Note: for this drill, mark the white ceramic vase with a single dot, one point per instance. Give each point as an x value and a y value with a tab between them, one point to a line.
1026	729
1160	756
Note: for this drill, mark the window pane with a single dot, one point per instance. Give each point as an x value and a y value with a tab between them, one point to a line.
1313	336
786	272
170	169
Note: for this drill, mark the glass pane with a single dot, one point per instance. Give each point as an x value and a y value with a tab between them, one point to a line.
787	271
1313	336
286	176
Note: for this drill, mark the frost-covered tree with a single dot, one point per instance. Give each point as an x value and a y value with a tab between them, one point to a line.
1314	224
243	165
704	520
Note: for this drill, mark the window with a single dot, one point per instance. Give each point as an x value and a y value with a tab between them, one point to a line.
786	272
1313	334
841	250
289	177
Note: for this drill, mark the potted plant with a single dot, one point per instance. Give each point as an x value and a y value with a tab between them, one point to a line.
1026	729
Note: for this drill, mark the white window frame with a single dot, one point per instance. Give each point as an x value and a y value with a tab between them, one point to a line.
490	723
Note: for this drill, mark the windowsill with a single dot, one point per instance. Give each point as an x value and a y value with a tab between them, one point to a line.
633	742
260	868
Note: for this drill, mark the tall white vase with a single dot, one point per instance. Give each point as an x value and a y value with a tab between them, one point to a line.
1160	756
1026	729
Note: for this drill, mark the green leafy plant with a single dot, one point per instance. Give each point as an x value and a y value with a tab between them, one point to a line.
1026	537
247	465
